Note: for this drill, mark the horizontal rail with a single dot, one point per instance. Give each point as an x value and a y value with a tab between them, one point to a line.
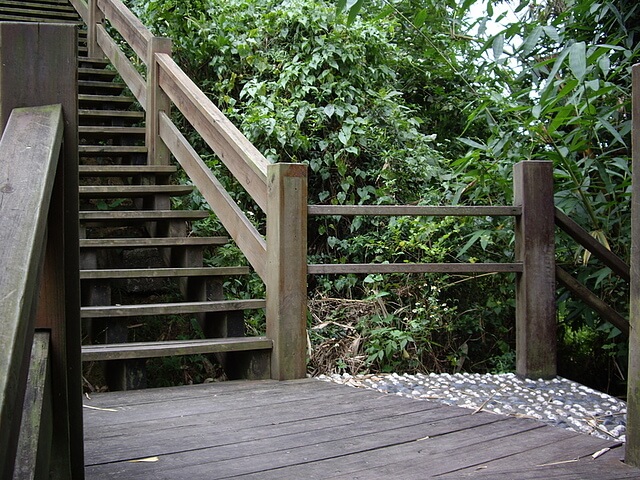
242	159
414	210
230	215
593	301
580	235
344	268
29	152
128	25
125	68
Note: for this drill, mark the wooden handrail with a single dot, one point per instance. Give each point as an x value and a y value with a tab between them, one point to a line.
580	235
29	152
242	159
232	218
414	210
344	268
128	25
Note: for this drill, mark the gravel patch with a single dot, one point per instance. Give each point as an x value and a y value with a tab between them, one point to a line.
558	402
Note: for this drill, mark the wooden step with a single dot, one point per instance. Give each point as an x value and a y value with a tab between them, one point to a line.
47	6
136	216
105	101
113	274
176	308
159	242
53	12
110	150
93	73
100	131
102	88
109	115
132	191
125	170
11	17
93	62
124	351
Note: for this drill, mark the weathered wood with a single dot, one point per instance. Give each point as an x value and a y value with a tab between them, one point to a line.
110	150
580	235
131	116
125	170
128	25
127	191
150	242
345	268
157	102
173	308
413	210
535	286
95	17
162	272
633	383
34	444
244	161
34	136
125	351
286	272
133	216
589	298
315	430
233	219
82	8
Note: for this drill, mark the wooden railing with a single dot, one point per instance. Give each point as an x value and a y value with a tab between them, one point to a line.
40	369
29	152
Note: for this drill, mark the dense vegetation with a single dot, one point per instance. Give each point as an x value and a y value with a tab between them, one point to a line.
416	101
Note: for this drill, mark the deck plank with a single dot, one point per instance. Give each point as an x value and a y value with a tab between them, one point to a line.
310	429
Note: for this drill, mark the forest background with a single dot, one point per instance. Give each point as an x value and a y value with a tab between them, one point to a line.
417	102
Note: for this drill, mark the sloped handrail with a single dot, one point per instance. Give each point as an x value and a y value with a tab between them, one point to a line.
34	136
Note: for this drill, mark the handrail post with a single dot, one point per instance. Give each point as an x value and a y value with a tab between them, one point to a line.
536	355
632	452
157	101
286	277
95	16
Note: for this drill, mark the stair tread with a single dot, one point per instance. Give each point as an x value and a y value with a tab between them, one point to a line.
173	308
150	242
121	351
64	7
162	272
110	130
123	191
124	170
141	215
52	13
99	84
22	18
110	113
97	71
87	97
111	149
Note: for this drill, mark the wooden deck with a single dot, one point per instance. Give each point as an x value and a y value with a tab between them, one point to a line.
315	430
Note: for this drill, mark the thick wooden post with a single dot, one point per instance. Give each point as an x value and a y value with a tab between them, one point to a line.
287	269
38	66
157	101
535	287
632	455
95	16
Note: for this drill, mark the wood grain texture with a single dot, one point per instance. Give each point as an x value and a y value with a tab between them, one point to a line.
172	308
233	219
244	161
344	268
309	429
128	25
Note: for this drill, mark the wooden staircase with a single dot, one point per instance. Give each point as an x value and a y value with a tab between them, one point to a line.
135	249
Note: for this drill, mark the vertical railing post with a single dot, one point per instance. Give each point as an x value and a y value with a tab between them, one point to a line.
157	101
536	327
632	455
287	268
95	16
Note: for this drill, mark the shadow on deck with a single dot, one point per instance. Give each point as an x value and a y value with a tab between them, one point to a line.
309	429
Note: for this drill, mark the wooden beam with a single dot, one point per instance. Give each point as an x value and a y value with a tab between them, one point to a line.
286	277
454	268
535	286
125	68
233	219
244	160
413	210
632	455
580	235
82	9
157	102
29	151
128	25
